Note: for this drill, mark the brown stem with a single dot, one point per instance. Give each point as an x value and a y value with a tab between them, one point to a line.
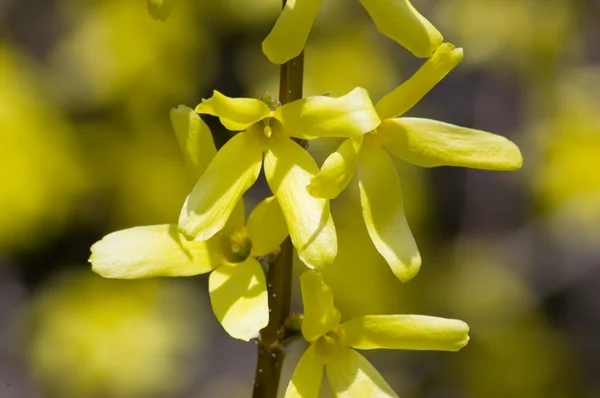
279	278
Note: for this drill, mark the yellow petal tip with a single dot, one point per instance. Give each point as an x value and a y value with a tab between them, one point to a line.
406	272
273	56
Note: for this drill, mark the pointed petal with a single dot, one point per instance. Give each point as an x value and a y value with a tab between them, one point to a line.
383	210
289	169
352	376
348	116
406	332
235	113
288	36
401	22
320	314
429	143
237	219
266	227
194	138
238	295
229	175
155	250
307	377
337	171
409	93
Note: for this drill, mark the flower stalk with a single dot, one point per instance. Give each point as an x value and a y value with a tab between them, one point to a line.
273	338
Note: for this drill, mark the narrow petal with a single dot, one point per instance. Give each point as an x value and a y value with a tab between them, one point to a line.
237	218
235	113
348	116
406	332
307	377
194	138
320	314
401	22
429	143
288	36
352	376
229	175
409	93
383	210
337	171
155	250
289	169
266	227
238	295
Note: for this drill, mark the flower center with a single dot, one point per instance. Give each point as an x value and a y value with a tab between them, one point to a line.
331	344
238	246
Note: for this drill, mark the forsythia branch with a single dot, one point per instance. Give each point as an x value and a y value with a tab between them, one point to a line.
272	339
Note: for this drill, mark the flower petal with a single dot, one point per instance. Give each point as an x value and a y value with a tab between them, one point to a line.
337	171
406	332
235	113
401	22
409	93
238	295
194	138
348	116
155	250
289	168
307	377
288	36
352	376
429	143
383	210
320	314
229	175
266	227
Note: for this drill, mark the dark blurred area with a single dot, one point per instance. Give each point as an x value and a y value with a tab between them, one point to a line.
86	148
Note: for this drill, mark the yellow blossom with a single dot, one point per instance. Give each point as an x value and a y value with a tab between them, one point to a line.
397	19
237	285
423	142
349	374
288	167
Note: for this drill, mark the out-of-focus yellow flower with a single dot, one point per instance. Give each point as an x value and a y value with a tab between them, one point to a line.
288	167
117	53
567	180
237	285
516	41
487	285
40	171
423	142
397	19
94	337
349	374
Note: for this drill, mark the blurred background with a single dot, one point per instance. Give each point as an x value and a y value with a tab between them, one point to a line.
86	148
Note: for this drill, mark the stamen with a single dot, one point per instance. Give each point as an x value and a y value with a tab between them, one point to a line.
268	132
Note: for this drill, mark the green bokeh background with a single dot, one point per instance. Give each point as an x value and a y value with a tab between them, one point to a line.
86	148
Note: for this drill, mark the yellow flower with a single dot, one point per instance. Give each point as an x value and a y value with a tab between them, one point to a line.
349	374
237	286
397	19
423	142
288	167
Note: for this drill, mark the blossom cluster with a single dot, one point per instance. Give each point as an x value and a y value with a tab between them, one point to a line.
213	236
